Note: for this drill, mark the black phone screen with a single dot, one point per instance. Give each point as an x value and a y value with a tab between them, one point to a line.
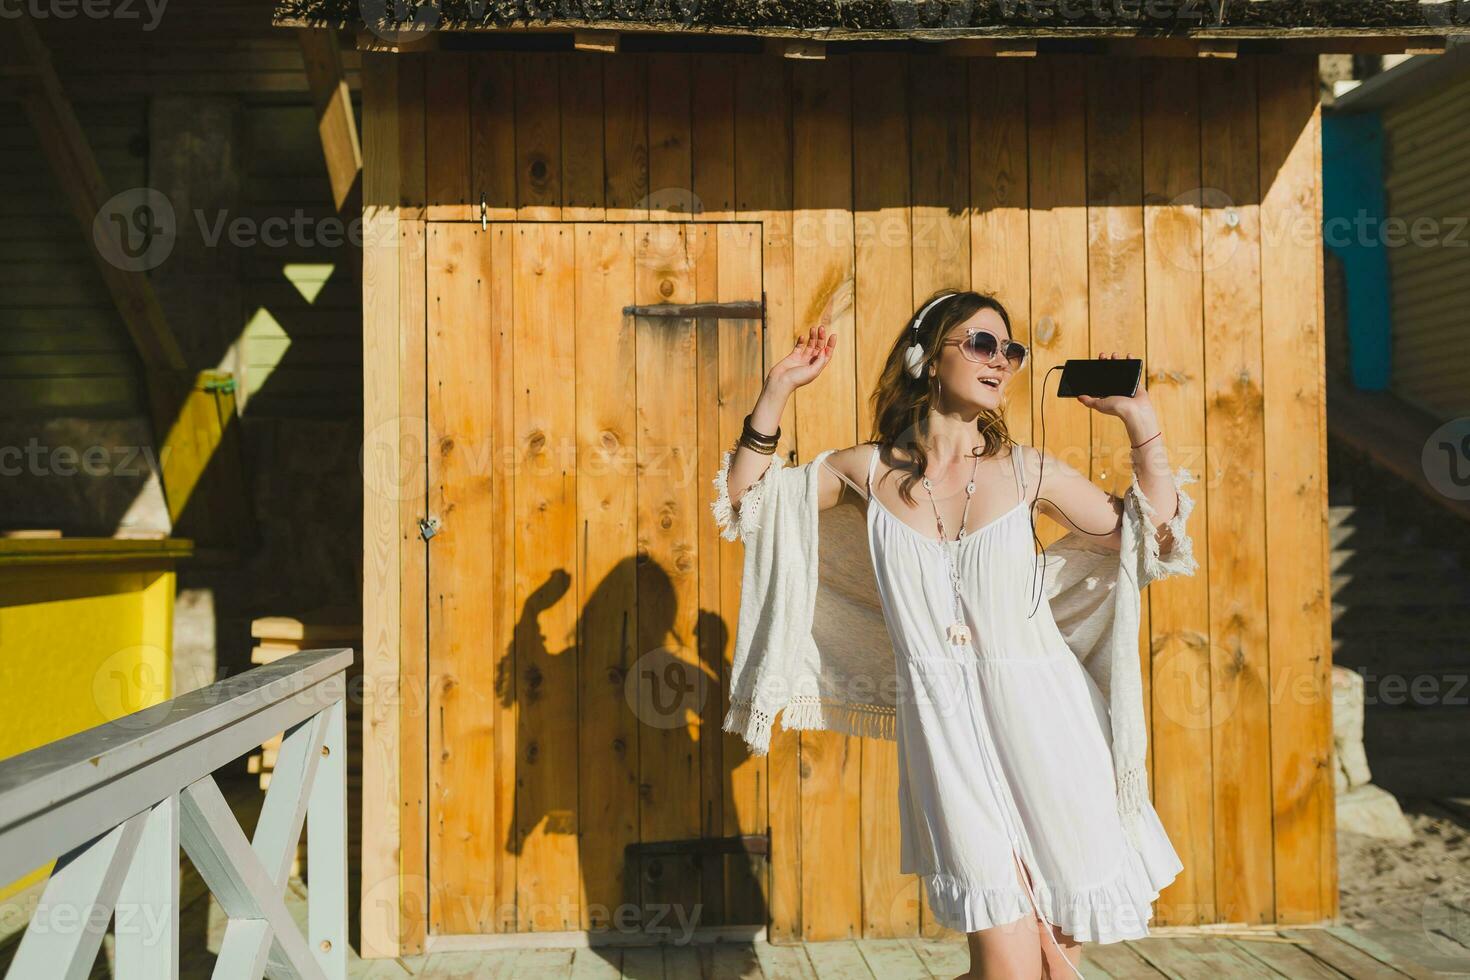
1099	377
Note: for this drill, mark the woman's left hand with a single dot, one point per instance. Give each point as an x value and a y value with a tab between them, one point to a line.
1119	405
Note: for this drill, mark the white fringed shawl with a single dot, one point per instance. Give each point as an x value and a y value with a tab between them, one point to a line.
811	643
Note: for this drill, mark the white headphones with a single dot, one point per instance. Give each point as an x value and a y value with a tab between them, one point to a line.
913	358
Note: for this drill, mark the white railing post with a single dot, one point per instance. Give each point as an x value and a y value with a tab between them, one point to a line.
146	933
326	850
67	928
120	800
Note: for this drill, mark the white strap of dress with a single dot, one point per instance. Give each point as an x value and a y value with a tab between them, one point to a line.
1018	464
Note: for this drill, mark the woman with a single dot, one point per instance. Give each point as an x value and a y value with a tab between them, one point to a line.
1007	777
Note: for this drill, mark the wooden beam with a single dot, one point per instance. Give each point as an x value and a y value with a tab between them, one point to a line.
790	47
335	123
981	48
604	42
409	43
167	378
80	179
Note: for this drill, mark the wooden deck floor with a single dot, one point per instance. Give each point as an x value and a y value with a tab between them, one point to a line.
1319	954
1326	954
1323	954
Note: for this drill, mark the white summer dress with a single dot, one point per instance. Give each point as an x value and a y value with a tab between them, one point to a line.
1004	743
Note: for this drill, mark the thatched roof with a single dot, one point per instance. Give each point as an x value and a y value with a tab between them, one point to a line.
930	19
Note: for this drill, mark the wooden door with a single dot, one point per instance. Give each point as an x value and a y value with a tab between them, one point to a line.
581	605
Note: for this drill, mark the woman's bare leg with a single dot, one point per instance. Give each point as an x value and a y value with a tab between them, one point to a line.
1008	952
1023	949
1056	969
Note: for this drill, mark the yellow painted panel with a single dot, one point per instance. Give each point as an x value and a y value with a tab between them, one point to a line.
80	645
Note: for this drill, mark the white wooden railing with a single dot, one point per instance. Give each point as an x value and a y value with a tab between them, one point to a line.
116	803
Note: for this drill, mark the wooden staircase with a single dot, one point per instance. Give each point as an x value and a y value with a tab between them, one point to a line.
1400	610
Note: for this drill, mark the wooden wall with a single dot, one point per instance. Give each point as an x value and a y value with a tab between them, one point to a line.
1426	150
1169	206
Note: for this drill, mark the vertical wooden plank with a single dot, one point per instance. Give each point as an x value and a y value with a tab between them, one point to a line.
670	178
581	136
607	508
1234	430
1000	227
831	771
625	136
381	903
1299	606
447	142
538	136
548	880
746	795
1179	681
763	193
883	260
462	682
709	630
1056	98
712	135
1115	264
414	579
410	491
1327	843
493	134
667	665
1115	240
939	166
505	610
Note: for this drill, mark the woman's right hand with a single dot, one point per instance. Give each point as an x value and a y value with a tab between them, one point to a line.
806	360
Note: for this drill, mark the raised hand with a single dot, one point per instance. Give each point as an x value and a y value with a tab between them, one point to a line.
806	360
1119	405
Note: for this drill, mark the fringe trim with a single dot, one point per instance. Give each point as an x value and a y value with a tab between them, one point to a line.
806	713
1179	559
866	720
1132	792
752	725
733	524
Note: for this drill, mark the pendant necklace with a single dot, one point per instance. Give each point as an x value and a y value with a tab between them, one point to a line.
958	632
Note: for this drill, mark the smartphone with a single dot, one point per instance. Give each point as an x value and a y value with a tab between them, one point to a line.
1100	377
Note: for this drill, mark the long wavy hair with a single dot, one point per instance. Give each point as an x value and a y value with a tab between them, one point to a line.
901	402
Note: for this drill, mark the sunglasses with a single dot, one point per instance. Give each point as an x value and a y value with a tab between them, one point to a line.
981	347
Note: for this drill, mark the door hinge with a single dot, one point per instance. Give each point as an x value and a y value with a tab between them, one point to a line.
429	526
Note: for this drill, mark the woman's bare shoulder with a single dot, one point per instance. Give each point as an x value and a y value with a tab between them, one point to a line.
1042	462
851	464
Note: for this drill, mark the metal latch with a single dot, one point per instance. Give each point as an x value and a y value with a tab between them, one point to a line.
429	526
